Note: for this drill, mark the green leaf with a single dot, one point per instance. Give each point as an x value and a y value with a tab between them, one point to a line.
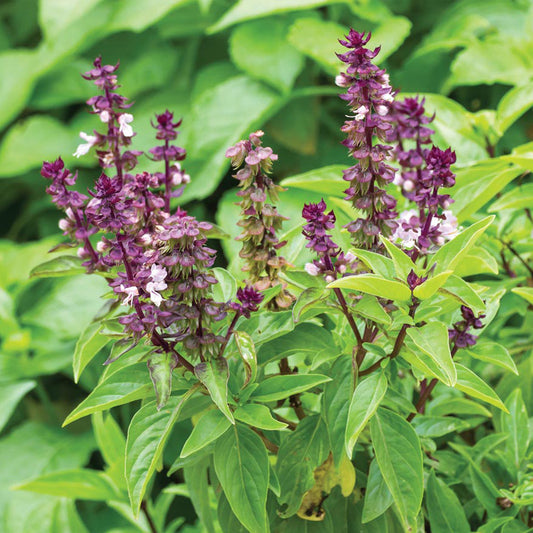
477	261
457	406
520	197
123	386
438	426
269	58
87	346
64	265
324	180
242	467
78	484
399	457
524	292
112	445
515	425
403	264
10	395
219	118
375	285
446	514
452	253
365	401
377	495
281	387
336	401
369	307
265	327
250	9
214	375
390	35
226	288
55	15
494	353
473	385
513	105
299	454
432	339
305	300
462	291
208	429
161	366
197	481
379	264
258	416
148	432
431	285
319	40
246	347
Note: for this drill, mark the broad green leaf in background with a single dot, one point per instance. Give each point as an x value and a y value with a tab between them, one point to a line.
513	105
492	352
226	287
299	454
55	15
209	428
126	385
10	395
390	35
250	9
258	416
325	180
432	339
112	445
377	495
446	514
219	118
375	285
148	432
473	385
281	387
520	197
438	426
524	292
246	348
365	402
64	265
196	478
88	345
515	425
78	484
463	291
214	375
261	49
399	457
241	464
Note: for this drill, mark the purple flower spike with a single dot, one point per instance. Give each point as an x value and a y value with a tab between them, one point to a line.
250	300
459	333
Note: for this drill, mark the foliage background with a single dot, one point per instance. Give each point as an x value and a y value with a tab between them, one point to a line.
227	68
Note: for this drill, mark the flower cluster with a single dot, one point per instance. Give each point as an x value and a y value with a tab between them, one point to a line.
370	97
331	260
260	220
459	333
249	299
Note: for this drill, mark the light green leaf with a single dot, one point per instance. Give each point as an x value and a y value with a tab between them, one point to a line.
365	401
246	347
78	484
431	285
208	429
261	49
438	426
516	425
112	445
148	432
390	35
403	264
123	386
160	366
214	375
473	385
477	261
241	465
513	105
10	395
494	353
306	299
399	456
299	454
379	264
258	416
369	307
452	253
281	387
462	291
377	495
64	265
446	514
226	288
524	292
520	197
87	346
251	9
55	15
220	117
197	481
375	285
324	180
432	339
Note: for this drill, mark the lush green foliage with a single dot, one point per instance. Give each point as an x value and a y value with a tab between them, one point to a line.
235	442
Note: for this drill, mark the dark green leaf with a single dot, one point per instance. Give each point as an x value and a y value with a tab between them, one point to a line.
471	384
258	416
377	495
87	346
281	387
208	429
214	375
161	366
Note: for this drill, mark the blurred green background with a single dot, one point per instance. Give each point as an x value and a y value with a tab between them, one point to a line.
226	67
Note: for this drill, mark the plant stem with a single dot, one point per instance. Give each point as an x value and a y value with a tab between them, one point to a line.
149	519
274	448
519	257
294	400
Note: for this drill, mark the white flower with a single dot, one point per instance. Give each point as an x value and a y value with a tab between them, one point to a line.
312	269
64	224
388	97
448	226
104	116
408	185
101	247
361	112
131	292
158	275
406	237
124	123
382	110
85	147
